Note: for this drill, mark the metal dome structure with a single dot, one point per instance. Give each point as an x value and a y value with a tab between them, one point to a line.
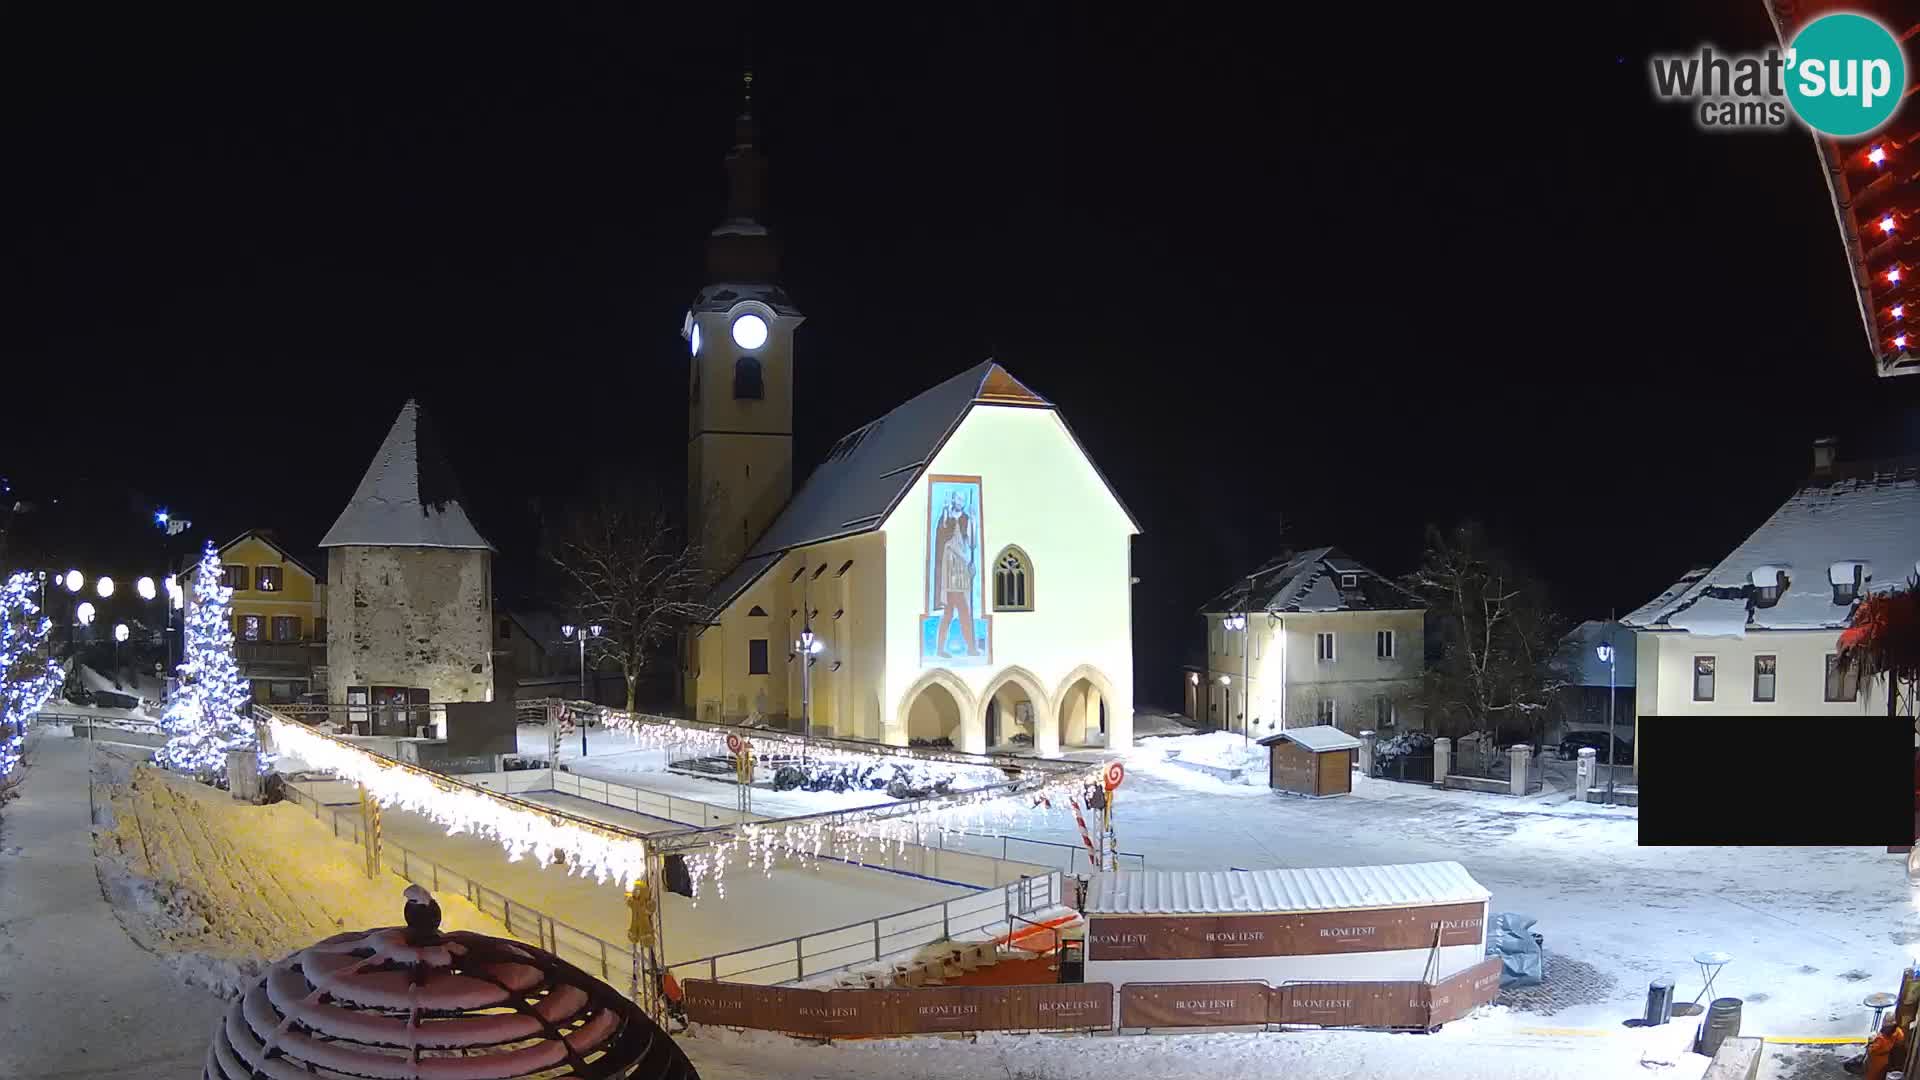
413	1003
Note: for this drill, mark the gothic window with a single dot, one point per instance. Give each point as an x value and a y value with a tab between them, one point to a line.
746	378
1012	581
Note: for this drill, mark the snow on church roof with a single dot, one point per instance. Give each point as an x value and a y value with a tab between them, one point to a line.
1315	888
1867	512
872	468
408	497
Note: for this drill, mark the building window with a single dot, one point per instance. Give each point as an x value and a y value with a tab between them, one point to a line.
506	629
320	630
286	628
746	378
234	577
1323	650
1349	581
1703	678
1846	578
1763	677
1327	711
253	628
1842	686
1383	644
266	578
1213	638
1012	581
1383	711
757	656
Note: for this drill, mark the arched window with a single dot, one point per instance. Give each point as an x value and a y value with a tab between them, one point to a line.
746	378
1012	581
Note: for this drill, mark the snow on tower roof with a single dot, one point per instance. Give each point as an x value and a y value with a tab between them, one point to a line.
872	468
1315	888
408	498
1868	512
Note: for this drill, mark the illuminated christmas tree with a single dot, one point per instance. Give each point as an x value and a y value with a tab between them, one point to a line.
28	675
208	715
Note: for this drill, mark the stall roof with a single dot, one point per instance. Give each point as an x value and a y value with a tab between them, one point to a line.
1319	738
1317	888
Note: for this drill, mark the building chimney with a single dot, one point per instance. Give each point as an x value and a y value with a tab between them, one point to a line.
1823	452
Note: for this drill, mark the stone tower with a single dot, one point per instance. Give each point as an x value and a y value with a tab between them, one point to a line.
409	580
740	389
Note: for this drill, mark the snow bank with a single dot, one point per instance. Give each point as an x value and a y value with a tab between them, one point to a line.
220	889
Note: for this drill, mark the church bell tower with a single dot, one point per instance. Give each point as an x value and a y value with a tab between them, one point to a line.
740	389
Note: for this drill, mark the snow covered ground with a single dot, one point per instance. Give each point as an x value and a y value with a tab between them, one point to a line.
1812	930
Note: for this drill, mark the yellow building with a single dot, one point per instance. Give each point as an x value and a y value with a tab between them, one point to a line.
279	616
956	572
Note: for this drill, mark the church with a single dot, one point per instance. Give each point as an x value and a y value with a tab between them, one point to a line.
956	572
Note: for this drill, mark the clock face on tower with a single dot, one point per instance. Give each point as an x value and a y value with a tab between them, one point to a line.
694	339
749	331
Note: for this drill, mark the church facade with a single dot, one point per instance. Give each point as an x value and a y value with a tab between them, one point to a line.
956	572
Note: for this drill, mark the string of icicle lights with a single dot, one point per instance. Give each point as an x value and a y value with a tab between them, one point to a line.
868	836
607	856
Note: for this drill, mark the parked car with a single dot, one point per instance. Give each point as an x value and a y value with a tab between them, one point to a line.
1575	741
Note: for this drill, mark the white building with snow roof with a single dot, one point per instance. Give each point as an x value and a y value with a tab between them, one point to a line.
410	583
1758	632
962	566
1311	637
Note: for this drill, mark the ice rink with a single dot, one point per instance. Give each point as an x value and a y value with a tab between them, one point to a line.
756	909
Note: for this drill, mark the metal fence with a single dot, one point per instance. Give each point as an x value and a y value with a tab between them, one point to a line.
991	912
613	962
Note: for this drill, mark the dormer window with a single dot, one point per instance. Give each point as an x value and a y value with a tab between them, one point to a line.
1349	581
1768	583
1847	579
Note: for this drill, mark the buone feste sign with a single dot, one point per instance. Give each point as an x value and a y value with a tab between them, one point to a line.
1208	937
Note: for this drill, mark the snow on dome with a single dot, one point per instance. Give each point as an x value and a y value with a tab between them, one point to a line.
420	1003
1848	571
408	497
1768	576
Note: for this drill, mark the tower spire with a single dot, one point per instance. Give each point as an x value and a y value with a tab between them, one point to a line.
740	248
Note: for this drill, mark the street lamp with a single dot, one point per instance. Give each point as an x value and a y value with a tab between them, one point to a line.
84	613
105	587
808	647
580	634
119	635
74	580
145	588
1606	654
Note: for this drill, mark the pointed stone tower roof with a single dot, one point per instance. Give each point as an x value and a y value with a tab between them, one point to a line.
408	497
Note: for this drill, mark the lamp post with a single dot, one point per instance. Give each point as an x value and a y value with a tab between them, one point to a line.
1238	624
119	636
807	648
1606	654
580	634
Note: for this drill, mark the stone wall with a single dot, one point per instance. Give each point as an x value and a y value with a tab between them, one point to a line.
406	616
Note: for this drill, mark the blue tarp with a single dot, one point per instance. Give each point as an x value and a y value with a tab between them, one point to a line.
1509	937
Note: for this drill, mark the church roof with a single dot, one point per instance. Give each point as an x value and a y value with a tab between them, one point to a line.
872	468
408	498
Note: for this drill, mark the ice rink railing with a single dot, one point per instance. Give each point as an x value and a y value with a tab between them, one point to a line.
992	912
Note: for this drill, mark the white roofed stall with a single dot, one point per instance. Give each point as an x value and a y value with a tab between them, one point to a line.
1312	888
1408	921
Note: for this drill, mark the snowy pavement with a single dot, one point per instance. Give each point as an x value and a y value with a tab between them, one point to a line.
77	997
1812	930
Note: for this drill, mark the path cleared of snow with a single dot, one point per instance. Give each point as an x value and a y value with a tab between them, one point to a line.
77	997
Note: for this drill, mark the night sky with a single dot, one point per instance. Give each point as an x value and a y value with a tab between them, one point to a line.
1359	271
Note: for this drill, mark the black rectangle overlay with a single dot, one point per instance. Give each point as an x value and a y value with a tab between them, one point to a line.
1776	781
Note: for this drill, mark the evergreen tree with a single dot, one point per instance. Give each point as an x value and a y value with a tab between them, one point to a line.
208	714
28	675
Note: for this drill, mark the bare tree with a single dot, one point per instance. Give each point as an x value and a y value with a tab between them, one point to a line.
1496	634
628	568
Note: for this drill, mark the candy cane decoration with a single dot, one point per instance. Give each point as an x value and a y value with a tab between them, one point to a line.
1085	836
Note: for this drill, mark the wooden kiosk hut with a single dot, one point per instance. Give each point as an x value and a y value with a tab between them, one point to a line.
1316	761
